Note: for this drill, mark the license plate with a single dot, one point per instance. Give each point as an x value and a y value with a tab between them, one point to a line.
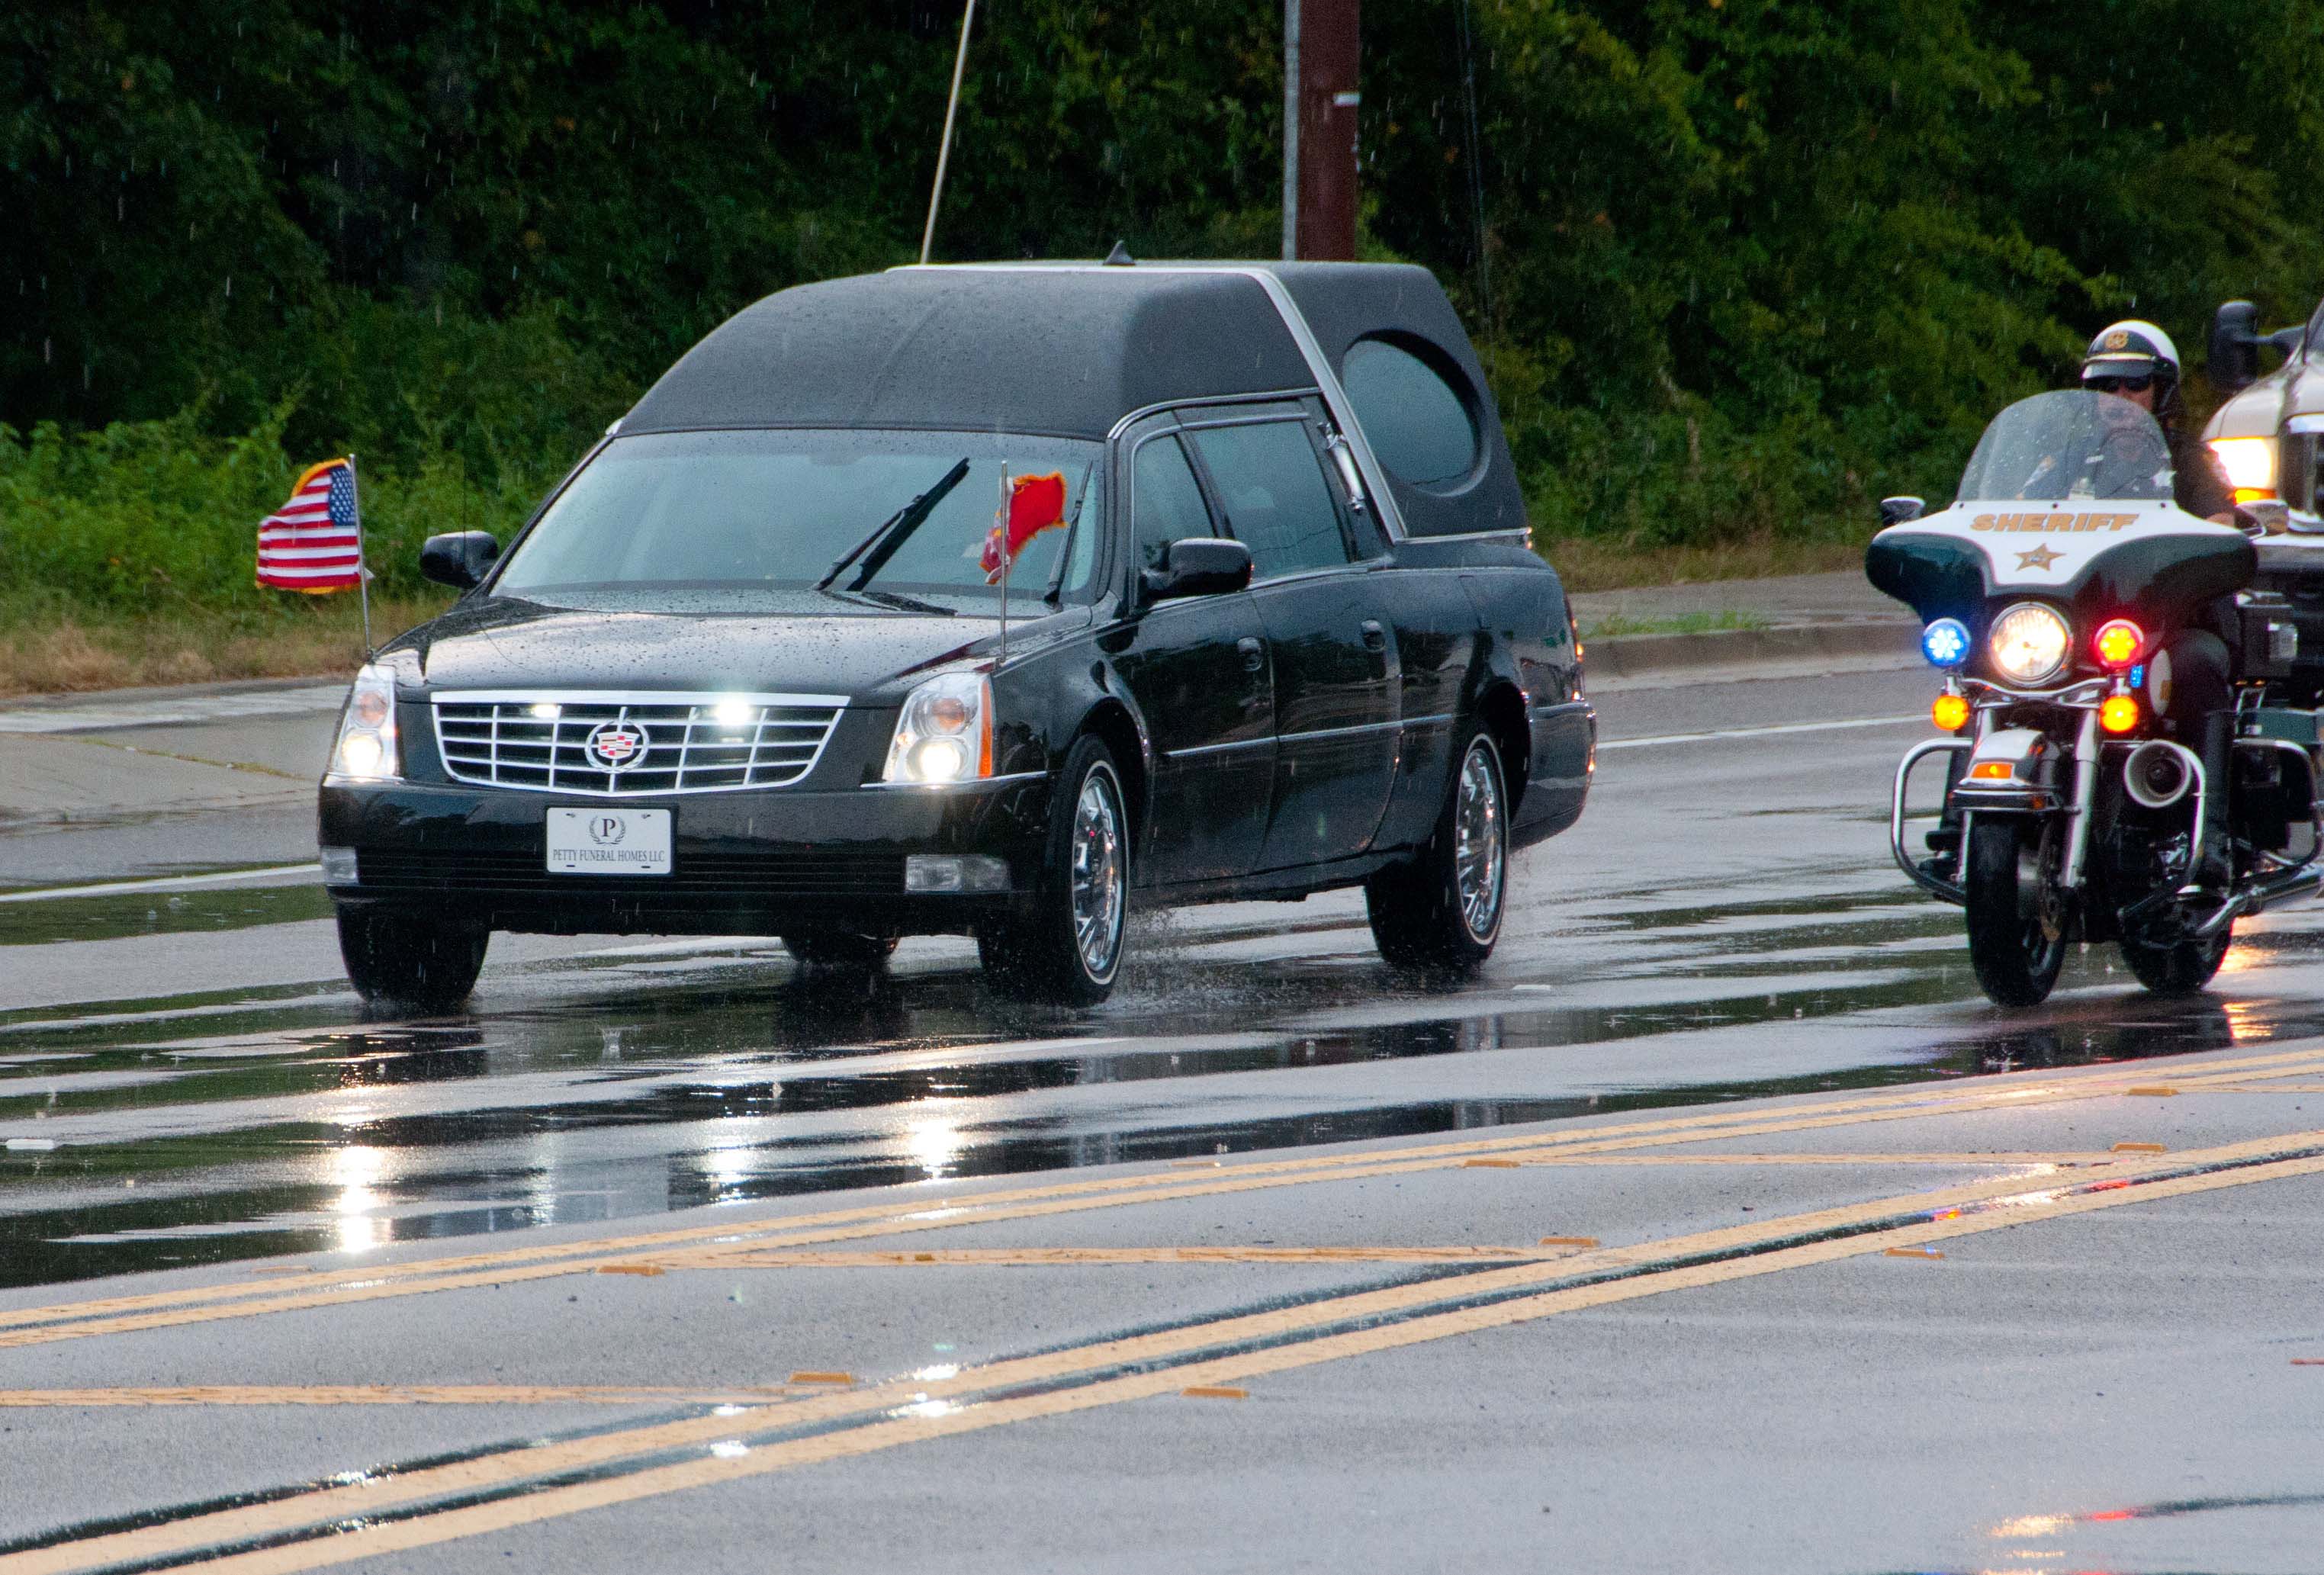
609	841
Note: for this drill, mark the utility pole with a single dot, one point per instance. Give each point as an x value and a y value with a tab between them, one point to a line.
1321	53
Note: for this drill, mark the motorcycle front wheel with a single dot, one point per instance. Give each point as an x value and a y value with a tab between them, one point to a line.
2016	913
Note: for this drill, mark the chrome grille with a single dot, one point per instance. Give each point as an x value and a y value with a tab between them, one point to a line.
622	745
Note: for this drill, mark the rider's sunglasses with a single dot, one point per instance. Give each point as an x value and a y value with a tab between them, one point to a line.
2119	384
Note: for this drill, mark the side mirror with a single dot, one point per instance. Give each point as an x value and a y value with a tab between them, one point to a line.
1900	511
458	559
2234	363
1200	565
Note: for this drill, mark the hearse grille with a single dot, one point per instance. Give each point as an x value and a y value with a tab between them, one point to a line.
624	745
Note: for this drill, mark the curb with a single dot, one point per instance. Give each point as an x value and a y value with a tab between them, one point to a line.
1631	656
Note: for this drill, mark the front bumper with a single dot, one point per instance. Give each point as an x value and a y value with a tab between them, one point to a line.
774	863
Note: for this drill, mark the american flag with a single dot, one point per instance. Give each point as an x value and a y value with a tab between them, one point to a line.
314	542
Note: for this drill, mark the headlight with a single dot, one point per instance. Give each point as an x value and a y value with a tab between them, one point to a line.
944	733
2028	642
2249	462
366	750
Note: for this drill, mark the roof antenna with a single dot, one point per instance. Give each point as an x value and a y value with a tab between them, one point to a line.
1119	257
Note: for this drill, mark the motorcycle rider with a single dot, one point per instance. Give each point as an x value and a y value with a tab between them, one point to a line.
2188	682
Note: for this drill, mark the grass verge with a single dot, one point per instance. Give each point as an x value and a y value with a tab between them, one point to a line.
1589	563
45	651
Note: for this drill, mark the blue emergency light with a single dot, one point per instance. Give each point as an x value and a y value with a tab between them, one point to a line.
1945	642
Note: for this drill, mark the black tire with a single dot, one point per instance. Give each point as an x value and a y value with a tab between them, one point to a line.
1441	912
1062	945
2180	967
406	960
838	949
2016	935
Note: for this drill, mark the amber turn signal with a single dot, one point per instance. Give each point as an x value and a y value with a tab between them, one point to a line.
2116	643
1949	712
2119	713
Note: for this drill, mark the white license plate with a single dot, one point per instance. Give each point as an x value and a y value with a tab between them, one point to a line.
609	841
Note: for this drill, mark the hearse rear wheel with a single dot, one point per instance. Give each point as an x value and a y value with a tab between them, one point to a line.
836	949
1065	946
401	959
1441	912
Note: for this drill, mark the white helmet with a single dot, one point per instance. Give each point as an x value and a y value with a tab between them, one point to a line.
2131	348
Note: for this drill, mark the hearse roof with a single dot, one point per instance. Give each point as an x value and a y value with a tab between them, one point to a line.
1070	349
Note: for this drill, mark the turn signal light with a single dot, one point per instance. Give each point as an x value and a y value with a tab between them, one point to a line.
2116	643
2119	713
1949	712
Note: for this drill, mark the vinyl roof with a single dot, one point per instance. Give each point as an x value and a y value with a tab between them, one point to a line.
1049	351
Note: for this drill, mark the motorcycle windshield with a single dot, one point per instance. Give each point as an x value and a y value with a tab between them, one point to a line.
2071	445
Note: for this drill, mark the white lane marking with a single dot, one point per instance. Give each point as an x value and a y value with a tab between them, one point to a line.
308	700
158	883
1686	738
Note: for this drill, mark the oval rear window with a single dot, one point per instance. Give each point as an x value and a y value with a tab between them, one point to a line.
1419	427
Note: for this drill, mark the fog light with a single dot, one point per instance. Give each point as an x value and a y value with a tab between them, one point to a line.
2119	713
955	872
338	866
1949	712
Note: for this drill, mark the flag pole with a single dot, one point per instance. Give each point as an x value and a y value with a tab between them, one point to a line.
363	568
944	149
1008	561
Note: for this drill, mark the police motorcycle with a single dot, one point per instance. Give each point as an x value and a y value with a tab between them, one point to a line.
2048	592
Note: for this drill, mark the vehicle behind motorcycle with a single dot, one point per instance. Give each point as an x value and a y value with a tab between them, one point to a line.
2053	594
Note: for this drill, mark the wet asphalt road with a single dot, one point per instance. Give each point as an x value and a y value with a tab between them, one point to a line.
184	1085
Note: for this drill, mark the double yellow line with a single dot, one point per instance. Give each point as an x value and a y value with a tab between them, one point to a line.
632	1464
343	1287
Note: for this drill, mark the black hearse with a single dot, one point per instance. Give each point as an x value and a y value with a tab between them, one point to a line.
742	672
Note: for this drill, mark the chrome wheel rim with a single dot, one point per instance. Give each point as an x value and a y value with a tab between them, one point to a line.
1097	886
1479	853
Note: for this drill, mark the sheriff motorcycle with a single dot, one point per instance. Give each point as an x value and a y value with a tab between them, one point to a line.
2048	593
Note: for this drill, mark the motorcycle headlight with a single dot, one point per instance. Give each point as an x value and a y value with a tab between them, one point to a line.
2028	642
944	731
367	749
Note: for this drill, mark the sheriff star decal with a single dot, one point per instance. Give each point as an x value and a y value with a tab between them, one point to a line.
2040	557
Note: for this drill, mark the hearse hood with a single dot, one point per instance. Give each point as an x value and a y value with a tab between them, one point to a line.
513	645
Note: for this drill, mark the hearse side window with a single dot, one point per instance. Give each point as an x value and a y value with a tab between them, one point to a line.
1271	488
1418	425
1165	499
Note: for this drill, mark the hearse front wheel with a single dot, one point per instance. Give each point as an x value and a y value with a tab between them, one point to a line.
1442	912
398	959
1064	944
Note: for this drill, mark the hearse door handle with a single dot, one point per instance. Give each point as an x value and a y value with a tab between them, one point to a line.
1375	637
1254	654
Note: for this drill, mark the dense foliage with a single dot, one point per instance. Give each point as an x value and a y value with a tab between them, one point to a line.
1744	263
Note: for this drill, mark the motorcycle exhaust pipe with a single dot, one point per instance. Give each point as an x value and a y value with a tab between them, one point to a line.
2156	775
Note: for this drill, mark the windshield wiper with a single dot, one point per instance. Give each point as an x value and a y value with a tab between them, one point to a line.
892	532
1066	547
907	603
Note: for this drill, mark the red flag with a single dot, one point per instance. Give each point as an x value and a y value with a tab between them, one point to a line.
314	542
1035	504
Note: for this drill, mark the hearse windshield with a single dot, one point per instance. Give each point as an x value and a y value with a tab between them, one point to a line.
748	520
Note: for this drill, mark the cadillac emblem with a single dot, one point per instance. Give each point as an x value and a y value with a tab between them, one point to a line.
617	745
